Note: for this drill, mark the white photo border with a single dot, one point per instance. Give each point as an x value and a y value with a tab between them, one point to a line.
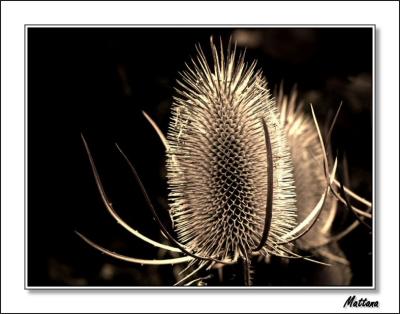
15	15
188	26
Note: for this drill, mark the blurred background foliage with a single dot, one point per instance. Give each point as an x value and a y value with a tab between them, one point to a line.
98	80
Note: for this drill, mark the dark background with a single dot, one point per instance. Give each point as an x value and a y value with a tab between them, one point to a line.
98	80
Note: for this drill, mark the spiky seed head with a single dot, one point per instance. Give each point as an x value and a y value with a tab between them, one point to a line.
217	160
310	179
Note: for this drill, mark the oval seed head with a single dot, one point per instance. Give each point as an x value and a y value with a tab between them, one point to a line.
217	161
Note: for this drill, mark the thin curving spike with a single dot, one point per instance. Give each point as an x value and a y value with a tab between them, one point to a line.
287	255
328	136
316	261
184	270
158	131
326	164
111	210
342	234
170	261
349	207
198	279
190	274
333	257
360	212
353	195
338	236
363	213
348	191
157	218
270	188
297	256
330	219
292	102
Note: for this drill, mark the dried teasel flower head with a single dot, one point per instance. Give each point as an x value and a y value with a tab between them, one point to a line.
227	155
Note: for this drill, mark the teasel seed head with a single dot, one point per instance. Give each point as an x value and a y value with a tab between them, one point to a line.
217	165
310	179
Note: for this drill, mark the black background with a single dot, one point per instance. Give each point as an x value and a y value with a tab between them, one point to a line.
98	80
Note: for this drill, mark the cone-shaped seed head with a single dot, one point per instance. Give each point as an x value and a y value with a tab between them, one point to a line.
217	161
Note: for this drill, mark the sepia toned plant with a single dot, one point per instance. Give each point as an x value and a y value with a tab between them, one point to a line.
249	174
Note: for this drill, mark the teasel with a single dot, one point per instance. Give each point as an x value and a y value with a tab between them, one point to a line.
240	181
